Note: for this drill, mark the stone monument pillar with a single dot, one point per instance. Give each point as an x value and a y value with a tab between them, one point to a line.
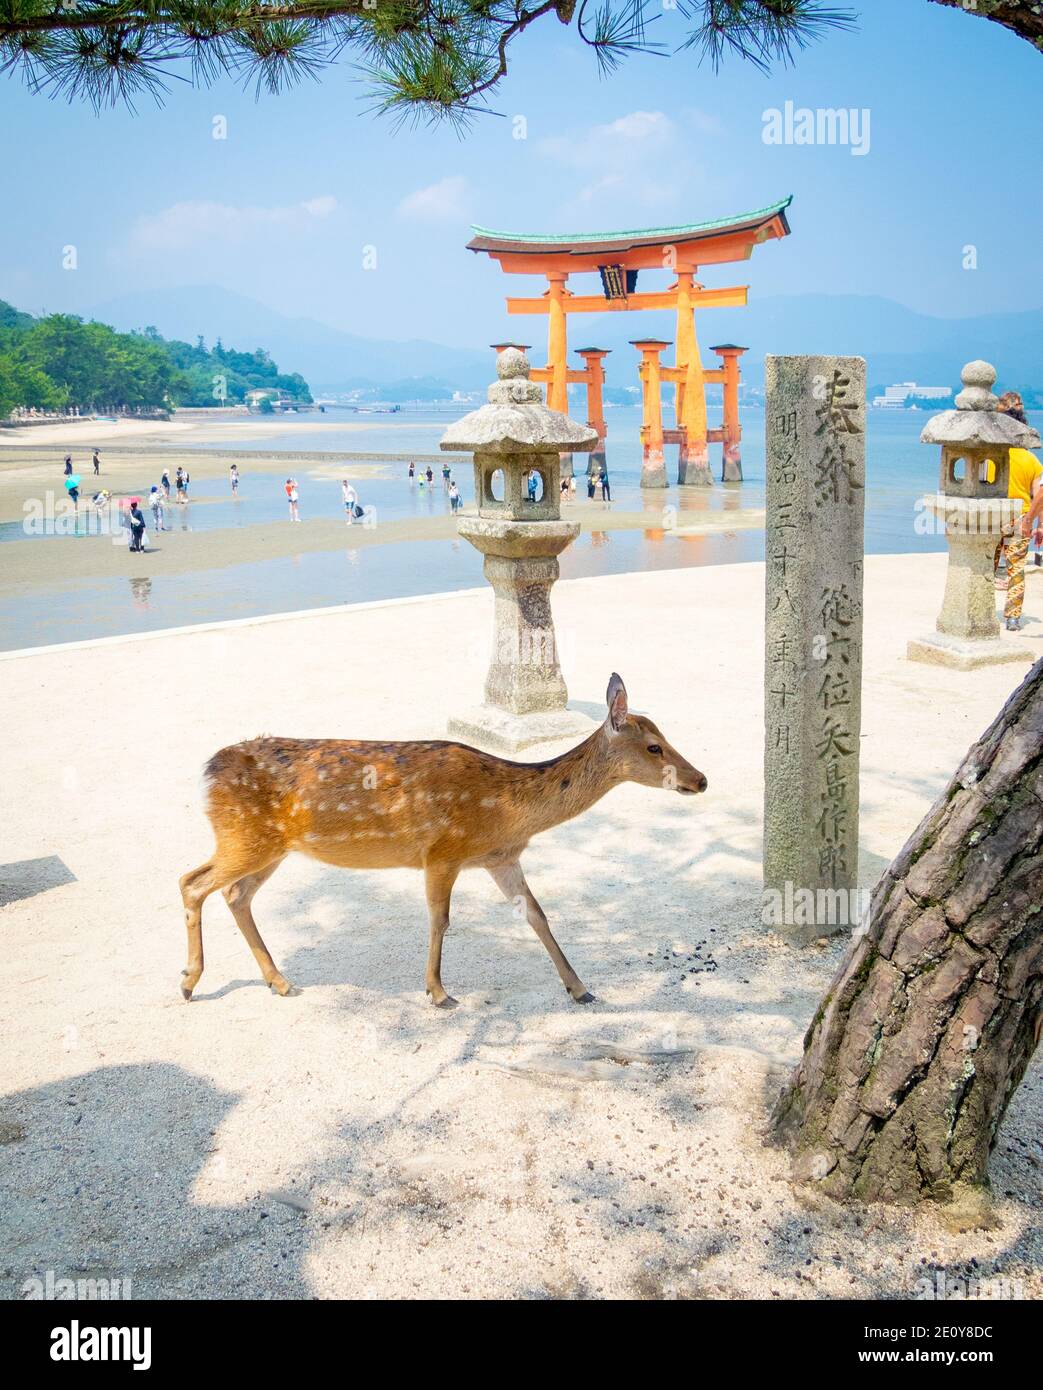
512	438
814	546
973	506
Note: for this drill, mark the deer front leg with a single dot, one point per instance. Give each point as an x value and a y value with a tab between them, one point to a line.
511	882
439	880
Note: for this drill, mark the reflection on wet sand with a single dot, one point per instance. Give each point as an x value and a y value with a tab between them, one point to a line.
141	592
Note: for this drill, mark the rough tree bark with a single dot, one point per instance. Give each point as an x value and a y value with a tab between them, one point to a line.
930	1022
1023	17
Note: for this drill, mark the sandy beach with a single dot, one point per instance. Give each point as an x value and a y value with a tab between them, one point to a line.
353	1141
40	472
80	436
32	483
27	563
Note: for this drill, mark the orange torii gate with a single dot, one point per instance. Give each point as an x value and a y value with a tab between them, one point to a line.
618	257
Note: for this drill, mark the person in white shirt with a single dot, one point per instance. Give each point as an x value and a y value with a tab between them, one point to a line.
351	499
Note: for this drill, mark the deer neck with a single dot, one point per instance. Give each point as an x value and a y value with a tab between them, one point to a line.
567	786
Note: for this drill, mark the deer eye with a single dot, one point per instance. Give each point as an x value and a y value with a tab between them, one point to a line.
654	748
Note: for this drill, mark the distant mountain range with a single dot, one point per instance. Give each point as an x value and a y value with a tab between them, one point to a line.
330	359
898	343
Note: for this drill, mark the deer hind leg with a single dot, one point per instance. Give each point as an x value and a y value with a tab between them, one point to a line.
439	880
239	895
196	887
511	882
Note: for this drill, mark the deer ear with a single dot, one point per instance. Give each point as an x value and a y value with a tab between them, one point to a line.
616	698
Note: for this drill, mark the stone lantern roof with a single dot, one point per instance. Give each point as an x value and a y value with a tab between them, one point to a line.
976	422
516	421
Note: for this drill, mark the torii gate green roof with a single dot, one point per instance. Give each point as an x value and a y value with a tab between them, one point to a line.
485	239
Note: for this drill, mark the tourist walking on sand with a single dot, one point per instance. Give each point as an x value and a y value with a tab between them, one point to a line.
606	491
68	464
97	464
454	495
136	522
592	482
429	475
155	501
412	470
1026	485
164	483
351	499
179	484
184	485
445	476
293	497
233	478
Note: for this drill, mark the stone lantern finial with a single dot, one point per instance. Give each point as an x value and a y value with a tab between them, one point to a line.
978	378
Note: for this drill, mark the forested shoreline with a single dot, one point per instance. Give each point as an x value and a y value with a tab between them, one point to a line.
60	362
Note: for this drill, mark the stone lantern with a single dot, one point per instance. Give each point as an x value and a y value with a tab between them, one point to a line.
973	503
513	438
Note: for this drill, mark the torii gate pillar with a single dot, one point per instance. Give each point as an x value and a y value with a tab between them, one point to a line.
653	467
729	353
693	458
594	375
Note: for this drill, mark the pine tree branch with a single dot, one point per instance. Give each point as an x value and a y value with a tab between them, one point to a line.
433	58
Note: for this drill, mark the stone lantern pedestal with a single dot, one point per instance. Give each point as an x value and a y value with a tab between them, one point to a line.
515	439
974	509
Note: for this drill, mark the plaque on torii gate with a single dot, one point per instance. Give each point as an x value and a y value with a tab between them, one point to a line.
618	257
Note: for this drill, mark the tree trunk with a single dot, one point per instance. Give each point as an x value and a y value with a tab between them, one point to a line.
929	1025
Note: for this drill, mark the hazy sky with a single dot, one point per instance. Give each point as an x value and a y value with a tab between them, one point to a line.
283	208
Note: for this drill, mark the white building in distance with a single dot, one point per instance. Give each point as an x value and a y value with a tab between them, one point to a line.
895	397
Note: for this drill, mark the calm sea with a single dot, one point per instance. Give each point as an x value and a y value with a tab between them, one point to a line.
899	470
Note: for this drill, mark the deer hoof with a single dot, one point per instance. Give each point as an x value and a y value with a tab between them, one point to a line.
585	998
186	990
447	1003
284	989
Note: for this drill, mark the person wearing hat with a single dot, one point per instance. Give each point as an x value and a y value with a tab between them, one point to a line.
136	522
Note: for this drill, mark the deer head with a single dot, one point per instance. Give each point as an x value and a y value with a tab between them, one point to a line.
639	751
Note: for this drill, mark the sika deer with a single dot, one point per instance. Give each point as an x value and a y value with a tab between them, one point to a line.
437	806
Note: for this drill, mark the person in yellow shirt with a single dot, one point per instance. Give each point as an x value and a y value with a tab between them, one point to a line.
1024	485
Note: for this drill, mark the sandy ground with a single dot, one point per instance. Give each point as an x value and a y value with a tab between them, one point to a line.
353	1141
25	564
39	478
80	436
36	481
